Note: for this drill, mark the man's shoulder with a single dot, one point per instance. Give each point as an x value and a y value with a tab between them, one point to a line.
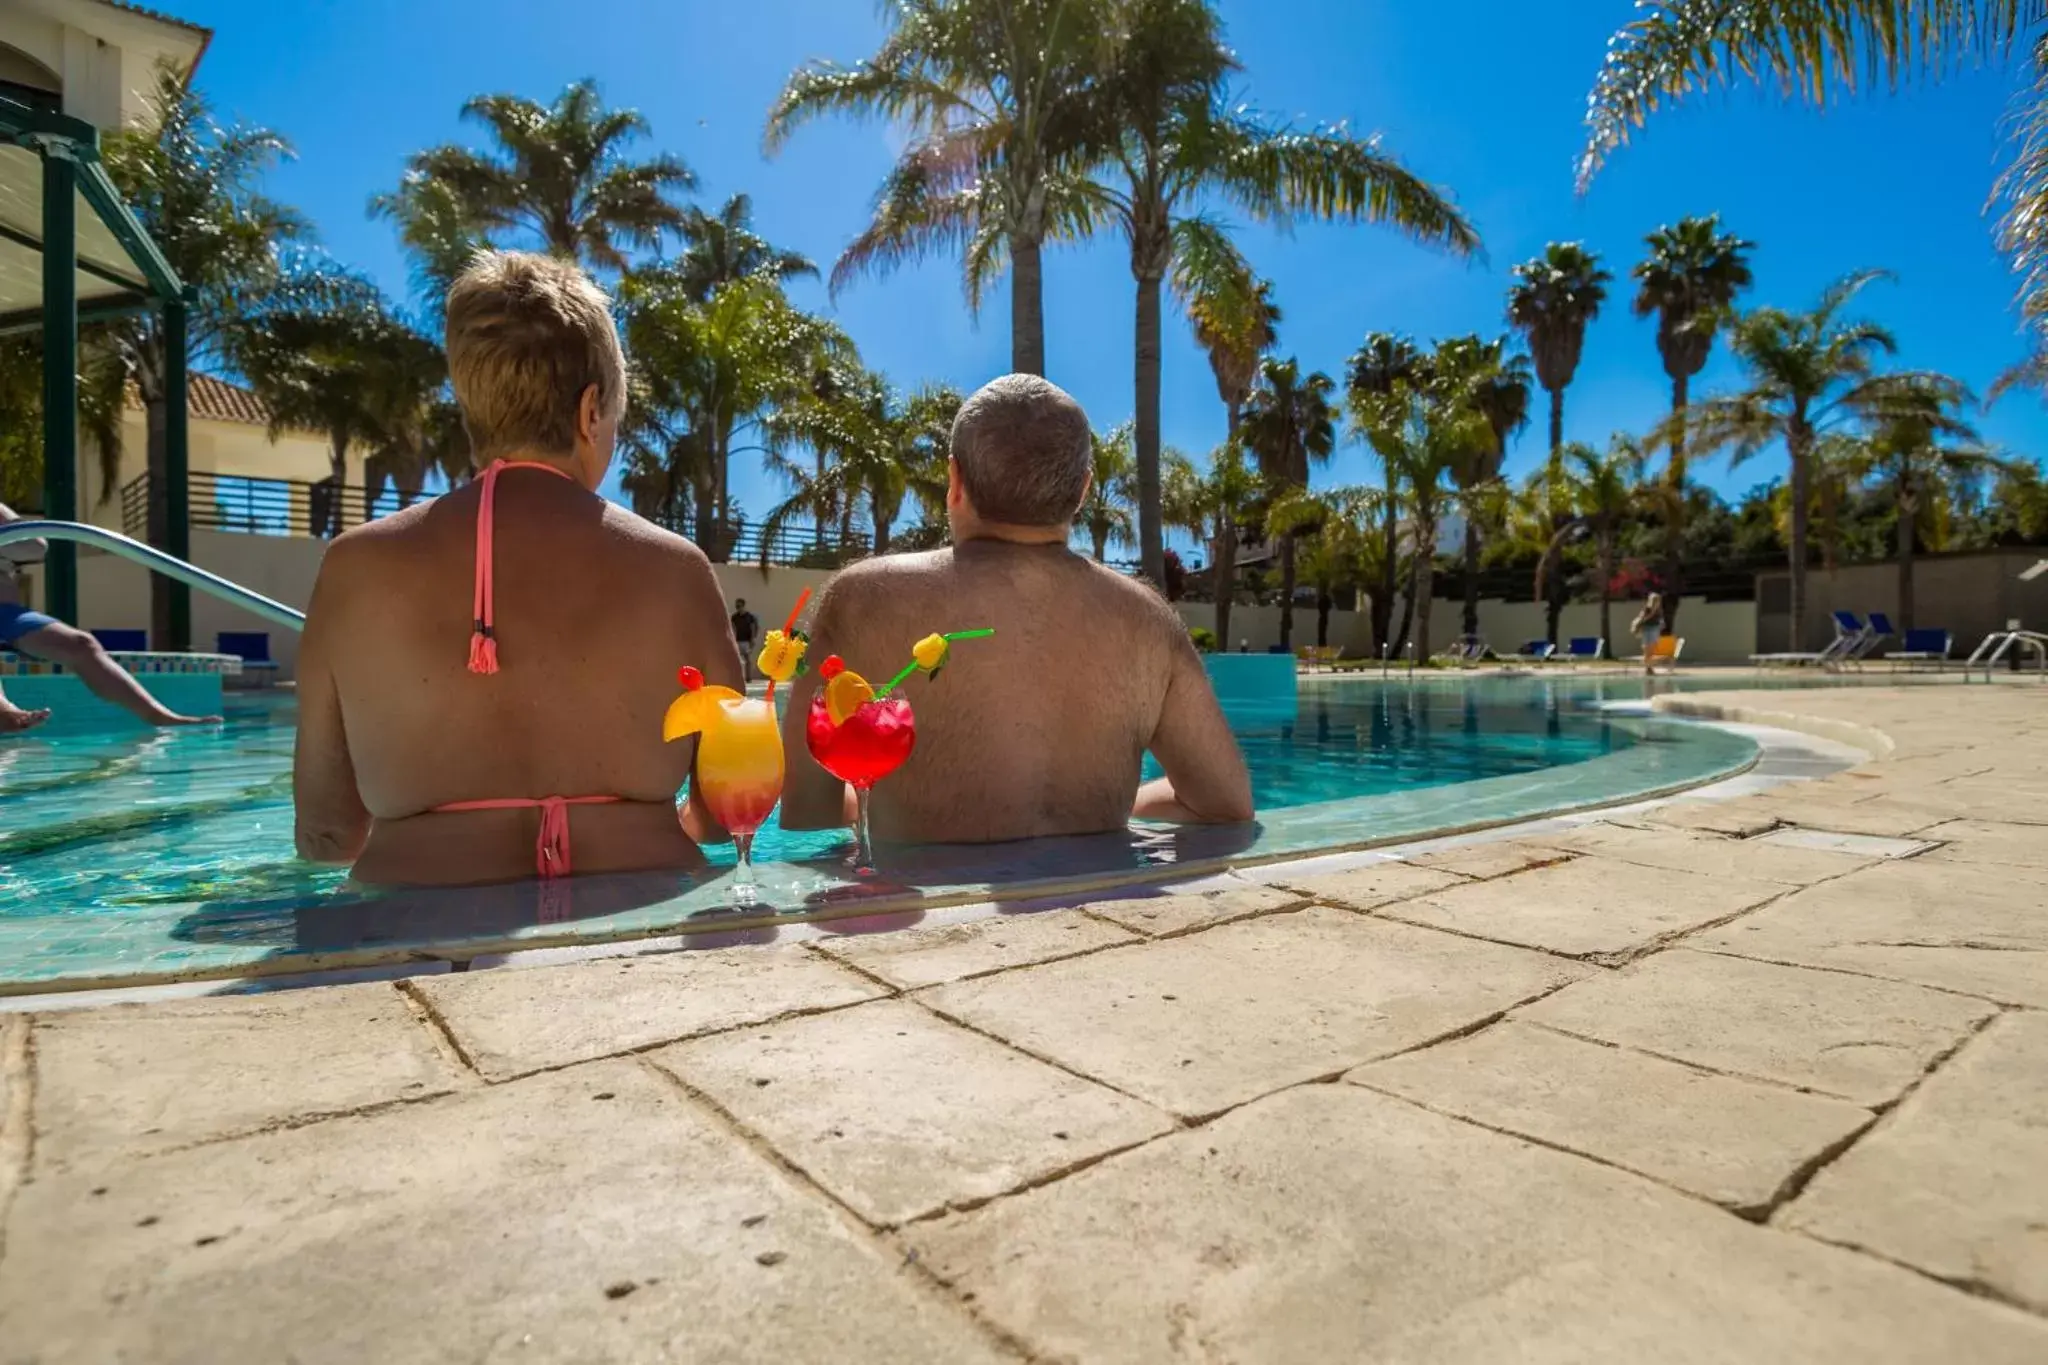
889	573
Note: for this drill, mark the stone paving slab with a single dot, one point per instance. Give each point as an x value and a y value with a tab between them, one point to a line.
1956	1182
1977	930
910	958
1681	851
1332	1224
1158	916
117	1082
1368	888
1738	818
1880	816
1201	1023
1484	862
1985	841
510	1022
1588	907
588	1215
899	1113
1733	1141
1850	1036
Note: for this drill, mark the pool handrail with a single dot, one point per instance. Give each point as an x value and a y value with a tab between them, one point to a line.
155	560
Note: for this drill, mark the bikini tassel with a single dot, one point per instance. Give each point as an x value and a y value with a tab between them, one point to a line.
483	652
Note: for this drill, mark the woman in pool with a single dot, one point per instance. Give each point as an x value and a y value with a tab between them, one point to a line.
1649	628
483	677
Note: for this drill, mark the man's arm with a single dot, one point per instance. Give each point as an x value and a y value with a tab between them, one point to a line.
1206	781
330	822
811	797
21	551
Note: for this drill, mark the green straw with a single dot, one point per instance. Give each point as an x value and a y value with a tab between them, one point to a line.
890	686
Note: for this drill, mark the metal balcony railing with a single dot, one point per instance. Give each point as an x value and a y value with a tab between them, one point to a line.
290	507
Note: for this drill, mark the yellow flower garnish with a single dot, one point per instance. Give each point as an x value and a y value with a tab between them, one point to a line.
931	652
782	656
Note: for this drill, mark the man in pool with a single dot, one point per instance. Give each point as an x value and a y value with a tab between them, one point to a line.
1041	729
31	632
472	712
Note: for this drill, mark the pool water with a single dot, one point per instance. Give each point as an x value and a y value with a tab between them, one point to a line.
120	852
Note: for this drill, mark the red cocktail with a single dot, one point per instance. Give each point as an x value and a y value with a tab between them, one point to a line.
869	744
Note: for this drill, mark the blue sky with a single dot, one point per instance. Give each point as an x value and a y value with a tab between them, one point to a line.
1480	97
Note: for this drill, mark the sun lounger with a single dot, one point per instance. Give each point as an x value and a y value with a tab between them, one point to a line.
1534	652
1849	634
1468	652
1922	646
123	641
1585	648
1666	650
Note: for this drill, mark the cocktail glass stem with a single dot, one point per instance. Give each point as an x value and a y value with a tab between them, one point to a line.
745	891
863	849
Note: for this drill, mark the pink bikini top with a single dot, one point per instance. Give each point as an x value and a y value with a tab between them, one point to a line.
483	642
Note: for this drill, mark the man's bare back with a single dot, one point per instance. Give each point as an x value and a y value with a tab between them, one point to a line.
1039	730
594	610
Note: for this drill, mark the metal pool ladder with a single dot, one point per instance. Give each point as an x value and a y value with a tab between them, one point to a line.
114	543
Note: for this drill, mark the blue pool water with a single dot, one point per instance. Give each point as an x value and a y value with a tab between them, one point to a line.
120	852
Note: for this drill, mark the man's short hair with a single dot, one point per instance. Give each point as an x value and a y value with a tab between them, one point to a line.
1024	451
526	335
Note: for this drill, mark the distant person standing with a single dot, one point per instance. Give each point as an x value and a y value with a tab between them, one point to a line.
1649	629
744	629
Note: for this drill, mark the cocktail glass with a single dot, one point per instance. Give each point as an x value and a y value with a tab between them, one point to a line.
739	775
860	751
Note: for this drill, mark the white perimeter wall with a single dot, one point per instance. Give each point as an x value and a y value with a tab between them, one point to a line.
1714	632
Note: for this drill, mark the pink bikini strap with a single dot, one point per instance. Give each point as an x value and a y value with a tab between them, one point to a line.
551	849
483	643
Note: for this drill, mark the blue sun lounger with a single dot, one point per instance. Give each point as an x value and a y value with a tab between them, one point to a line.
1585	648
1922	645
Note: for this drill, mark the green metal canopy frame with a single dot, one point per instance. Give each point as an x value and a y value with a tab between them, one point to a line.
111	269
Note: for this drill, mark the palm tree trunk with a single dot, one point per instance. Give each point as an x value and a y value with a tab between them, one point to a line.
1099	534
1556	419
1909	515
822	510
1425	583
1027	305
1471	622
881	524
1287	593
1606	585
1400	637
721	474
1151	541
1323	605
1224	570
1674	514
158	516
1390	582
1798	444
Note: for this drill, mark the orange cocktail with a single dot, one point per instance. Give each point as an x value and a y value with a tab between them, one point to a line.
739	775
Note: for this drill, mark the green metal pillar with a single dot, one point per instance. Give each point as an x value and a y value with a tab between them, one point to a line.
60	371
177	468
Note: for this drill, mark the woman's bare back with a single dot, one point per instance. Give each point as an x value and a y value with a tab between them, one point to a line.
594	610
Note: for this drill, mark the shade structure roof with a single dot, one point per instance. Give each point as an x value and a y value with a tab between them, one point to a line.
119	267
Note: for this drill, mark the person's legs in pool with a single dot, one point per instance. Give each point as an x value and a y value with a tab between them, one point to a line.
13	720
83	655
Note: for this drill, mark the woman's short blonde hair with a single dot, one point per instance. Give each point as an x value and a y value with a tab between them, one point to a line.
526	335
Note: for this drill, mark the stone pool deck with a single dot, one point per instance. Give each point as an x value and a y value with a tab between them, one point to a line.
1707	1082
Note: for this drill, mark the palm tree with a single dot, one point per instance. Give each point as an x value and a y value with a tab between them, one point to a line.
706	370
1495	385
1809	50
1289	424
989	93
1385	366
1920	445
1537	512
1809	374
1603	492
1336	524
1553	299
1689	281
1211	507
438	234
1235	319
1174	140
1425	432
879	447
1106	514
721	247
559	179
194	187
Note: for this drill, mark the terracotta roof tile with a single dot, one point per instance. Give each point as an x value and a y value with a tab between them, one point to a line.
211	399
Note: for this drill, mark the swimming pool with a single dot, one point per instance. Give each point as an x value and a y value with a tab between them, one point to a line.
145	856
